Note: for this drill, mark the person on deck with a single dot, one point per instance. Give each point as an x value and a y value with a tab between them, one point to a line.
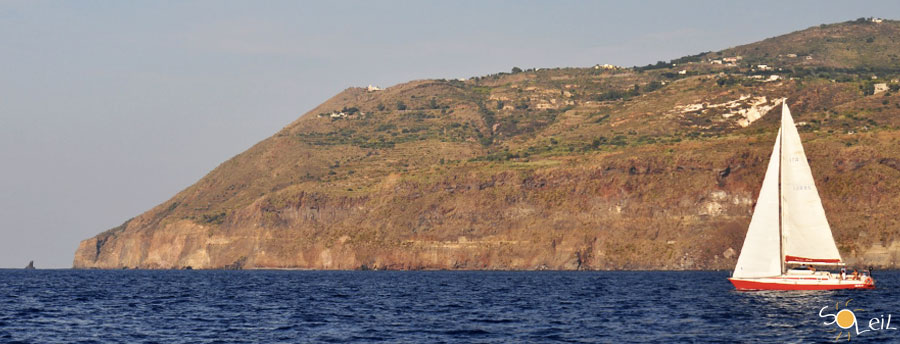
855	274
843	273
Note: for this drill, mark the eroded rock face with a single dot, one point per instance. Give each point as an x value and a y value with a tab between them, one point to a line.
596	217
878	255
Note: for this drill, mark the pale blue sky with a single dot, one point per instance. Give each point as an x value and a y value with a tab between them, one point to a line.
108	108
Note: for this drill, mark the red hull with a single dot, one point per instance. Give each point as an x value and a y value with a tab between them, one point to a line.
757	285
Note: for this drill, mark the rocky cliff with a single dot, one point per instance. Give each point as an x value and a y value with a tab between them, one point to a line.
652	167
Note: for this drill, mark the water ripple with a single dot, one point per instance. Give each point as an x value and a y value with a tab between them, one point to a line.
72	306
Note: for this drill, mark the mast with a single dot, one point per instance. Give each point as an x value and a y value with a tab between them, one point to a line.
780	196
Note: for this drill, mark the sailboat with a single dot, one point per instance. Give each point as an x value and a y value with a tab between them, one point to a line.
789	229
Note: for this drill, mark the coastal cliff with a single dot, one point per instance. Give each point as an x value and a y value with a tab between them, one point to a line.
654	167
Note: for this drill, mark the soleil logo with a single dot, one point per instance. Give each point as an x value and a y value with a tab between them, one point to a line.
846	319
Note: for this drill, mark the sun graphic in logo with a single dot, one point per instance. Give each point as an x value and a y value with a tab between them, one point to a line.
845	319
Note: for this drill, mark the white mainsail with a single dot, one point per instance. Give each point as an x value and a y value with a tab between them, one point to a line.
761	253
807	235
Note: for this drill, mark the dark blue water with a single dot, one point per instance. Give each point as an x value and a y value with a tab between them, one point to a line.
70	306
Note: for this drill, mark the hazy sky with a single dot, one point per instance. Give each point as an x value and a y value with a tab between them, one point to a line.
108	108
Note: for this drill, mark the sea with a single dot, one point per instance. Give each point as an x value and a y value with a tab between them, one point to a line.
135	306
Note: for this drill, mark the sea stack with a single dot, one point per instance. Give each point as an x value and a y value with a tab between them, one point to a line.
30	265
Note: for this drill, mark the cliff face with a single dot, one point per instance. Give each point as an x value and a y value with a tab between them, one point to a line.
643	168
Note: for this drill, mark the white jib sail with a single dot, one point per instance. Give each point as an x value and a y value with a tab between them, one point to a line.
761	253
807	235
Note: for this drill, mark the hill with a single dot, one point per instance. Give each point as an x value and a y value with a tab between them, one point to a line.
653	167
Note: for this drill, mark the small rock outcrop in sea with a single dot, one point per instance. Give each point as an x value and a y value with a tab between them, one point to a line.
237	265
30	265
